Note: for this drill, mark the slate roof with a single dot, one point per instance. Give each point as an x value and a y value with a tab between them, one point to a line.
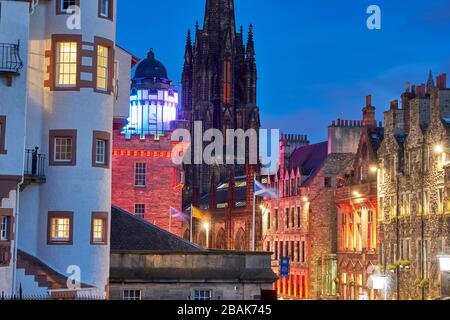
309	159
130	233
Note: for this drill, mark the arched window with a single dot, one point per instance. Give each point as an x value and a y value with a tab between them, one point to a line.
227	81
239	240
220	240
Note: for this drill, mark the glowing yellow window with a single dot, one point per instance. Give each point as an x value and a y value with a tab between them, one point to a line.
60	229
66	64
102	68
98	230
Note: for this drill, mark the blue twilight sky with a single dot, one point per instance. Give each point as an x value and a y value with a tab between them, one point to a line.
316	59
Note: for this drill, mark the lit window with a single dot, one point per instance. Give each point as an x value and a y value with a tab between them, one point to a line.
4	228
63	149
100	154
102	68
131	295
140	175
66	64
139	210
99	228
60	228
202	295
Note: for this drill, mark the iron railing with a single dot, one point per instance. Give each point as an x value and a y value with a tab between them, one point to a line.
34	163
10	61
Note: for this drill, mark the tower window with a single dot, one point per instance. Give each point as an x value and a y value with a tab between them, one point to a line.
100	149
63	145
105	9
66	64
102	68
60	228
99	228
63	5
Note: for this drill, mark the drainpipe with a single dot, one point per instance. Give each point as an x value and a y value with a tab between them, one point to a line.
16	239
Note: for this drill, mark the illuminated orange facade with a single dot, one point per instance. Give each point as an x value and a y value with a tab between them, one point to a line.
356	200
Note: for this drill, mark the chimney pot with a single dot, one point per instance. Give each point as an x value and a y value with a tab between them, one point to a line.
368	100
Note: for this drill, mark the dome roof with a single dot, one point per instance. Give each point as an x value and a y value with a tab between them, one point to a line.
150	68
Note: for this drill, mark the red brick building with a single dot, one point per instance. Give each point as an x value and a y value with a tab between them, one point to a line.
145	181
356	200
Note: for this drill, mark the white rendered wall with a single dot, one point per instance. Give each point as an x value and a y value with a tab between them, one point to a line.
14	27
82	189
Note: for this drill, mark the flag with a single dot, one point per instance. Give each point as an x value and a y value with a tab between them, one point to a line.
264	192
174	213
199	214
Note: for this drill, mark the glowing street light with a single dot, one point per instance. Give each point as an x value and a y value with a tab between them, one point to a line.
373	169
207	226
305	199
439	149
444	263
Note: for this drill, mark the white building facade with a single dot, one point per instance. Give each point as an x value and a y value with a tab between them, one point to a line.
57	114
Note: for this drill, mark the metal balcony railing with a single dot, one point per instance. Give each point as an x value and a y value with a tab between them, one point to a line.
34	165
10	61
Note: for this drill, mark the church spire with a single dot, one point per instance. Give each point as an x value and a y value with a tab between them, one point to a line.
219	14
430	82
250	44
188	50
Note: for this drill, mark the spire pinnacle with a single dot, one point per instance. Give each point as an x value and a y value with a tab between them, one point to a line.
430	82
250	43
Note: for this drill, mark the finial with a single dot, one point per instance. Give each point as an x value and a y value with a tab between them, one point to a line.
196	25
151	54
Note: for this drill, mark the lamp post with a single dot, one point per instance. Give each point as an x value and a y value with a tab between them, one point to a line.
444	265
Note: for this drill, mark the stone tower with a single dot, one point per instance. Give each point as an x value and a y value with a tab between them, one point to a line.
219	87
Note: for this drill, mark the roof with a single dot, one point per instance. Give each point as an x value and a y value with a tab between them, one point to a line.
130	233
150	68
309	159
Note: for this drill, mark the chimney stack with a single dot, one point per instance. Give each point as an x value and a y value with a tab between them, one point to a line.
394	104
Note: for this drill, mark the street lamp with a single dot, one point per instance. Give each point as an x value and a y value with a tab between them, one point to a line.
305	199
439	149
373	169
206	226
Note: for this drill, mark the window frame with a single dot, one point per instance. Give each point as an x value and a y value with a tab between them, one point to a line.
141	206
59	215
132	290
110	15
106	137
104	216
200	297
59	7
136	185
105	67
9	215
53	135
58	64
108	44
3	150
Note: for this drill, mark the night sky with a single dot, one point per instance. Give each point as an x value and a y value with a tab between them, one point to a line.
316	59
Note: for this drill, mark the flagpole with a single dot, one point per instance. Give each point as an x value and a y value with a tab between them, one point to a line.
254	215
170	221
192	225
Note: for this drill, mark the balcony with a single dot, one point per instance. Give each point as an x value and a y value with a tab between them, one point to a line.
10	61
34	167
356	193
